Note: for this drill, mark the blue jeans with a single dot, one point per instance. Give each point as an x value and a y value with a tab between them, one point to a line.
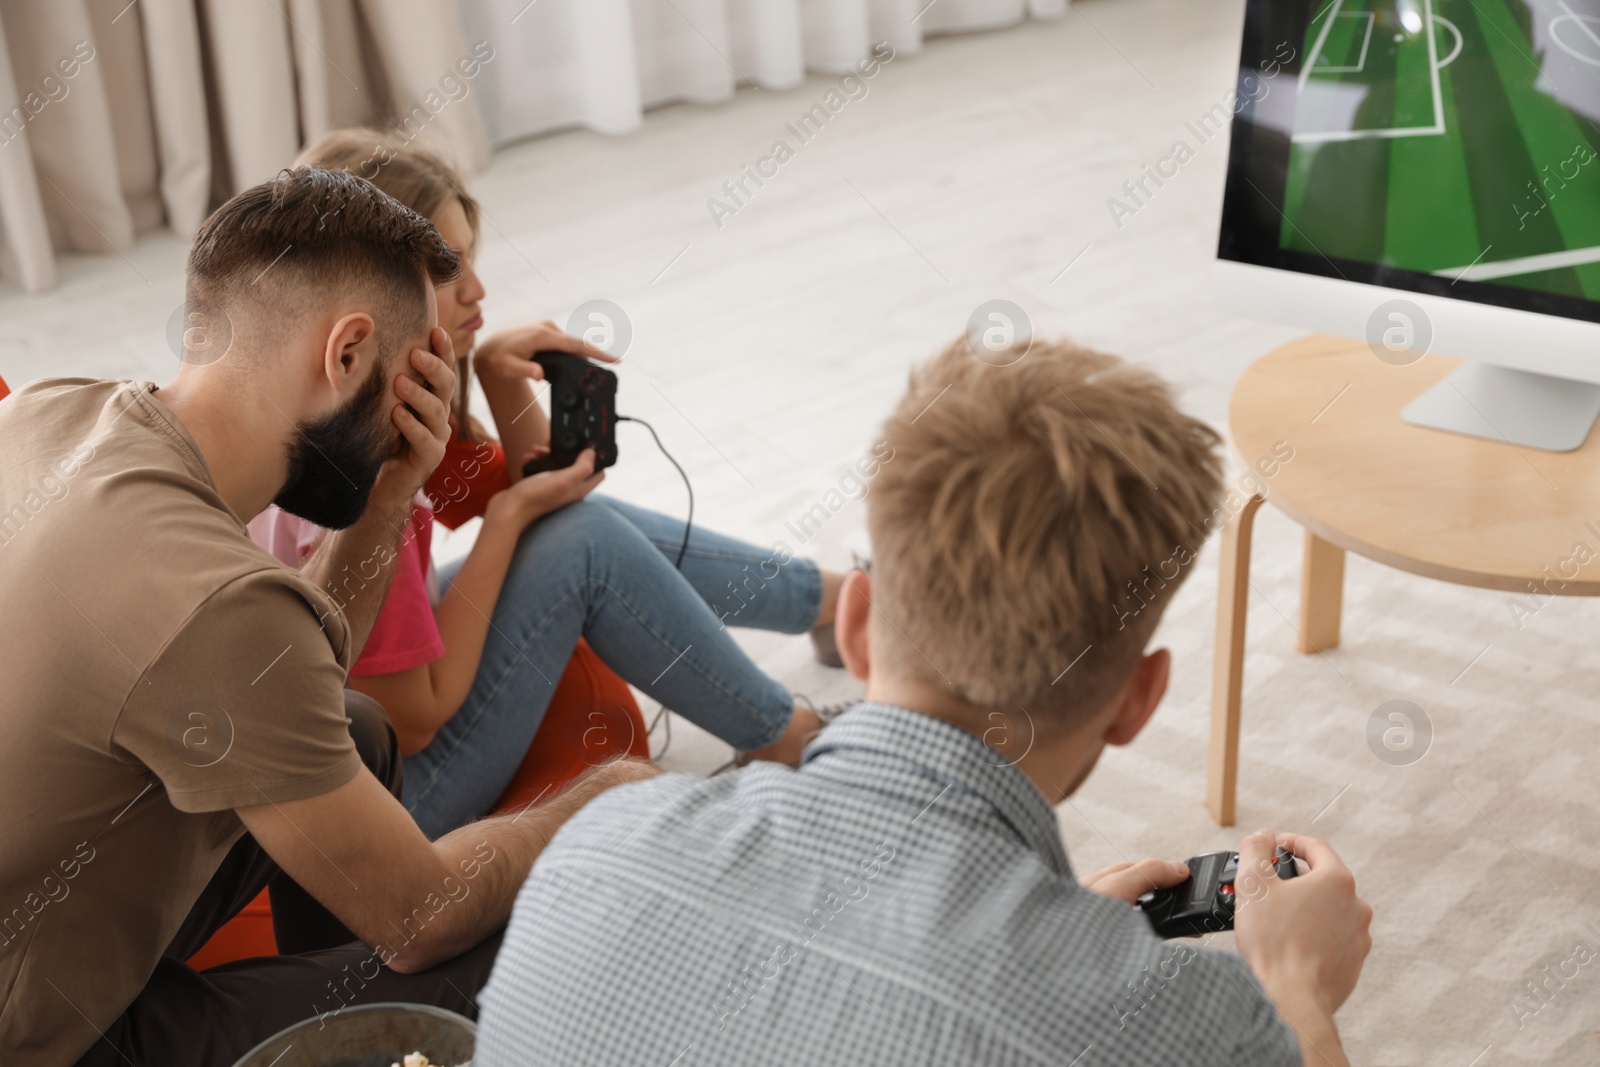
602	570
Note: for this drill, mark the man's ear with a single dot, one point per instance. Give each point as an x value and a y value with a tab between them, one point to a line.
351	352
1139	700
850	623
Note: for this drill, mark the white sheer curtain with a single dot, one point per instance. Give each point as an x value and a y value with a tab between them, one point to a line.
601	63
120	117
117	118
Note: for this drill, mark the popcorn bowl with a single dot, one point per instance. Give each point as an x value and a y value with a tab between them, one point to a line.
373	1035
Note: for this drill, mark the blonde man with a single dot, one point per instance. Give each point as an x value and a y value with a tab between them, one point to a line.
903	897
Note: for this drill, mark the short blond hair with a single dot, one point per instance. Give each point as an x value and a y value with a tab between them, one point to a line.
1028	521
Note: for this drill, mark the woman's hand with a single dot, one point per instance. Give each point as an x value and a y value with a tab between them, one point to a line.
538	495
508	354
507	372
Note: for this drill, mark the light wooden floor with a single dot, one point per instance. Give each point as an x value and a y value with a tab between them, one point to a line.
766	351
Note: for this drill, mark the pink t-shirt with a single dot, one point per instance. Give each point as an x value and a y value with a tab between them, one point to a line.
405	634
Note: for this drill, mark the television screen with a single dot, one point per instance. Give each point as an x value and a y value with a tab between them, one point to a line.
1449	147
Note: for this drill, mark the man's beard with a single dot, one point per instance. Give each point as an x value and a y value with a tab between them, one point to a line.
334	461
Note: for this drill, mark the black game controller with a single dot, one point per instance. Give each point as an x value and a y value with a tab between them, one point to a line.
583	412
1203	903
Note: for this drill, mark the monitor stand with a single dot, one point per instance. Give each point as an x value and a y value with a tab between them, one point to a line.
1517	407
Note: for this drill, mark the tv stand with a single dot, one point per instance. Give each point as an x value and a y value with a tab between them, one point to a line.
1515	407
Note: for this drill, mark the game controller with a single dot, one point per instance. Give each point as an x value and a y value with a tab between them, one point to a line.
1203	903
583	412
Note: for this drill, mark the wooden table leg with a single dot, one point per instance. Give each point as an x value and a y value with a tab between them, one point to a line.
1321	595
1227	672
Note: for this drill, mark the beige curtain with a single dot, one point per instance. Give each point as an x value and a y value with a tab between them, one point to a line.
121	117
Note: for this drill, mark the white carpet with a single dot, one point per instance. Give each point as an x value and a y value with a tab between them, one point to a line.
767	350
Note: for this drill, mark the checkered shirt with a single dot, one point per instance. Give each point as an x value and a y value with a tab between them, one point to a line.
901	898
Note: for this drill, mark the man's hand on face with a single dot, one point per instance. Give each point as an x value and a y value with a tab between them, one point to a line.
423	417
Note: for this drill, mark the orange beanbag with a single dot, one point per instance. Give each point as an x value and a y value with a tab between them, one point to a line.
592	718
248	933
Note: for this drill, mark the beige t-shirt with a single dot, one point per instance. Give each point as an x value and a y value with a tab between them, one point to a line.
157	671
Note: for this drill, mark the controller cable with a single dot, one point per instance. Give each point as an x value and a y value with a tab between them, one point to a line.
688	524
